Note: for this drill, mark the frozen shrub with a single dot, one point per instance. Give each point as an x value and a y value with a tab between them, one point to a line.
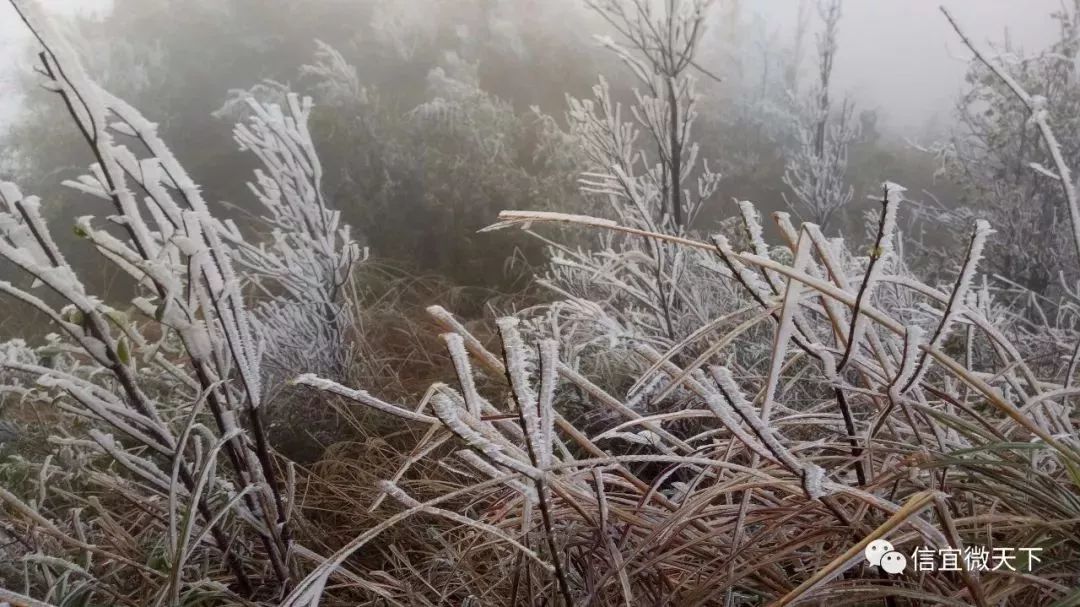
643	170
303	269
171	406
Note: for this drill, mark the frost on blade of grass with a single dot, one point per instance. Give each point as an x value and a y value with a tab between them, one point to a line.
518	372
549	362
883	248
524	219
956	298
461	424
456	346
812	473
474	460
359	396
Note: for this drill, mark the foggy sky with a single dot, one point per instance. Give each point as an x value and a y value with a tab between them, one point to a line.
904	57
899	56
13	34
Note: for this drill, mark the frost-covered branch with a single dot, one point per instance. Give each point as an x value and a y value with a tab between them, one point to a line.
302	269
1037	105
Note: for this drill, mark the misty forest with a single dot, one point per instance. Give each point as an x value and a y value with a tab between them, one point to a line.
531	302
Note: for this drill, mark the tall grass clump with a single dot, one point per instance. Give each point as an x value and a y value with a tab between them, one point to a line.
865	422
162	487
755	454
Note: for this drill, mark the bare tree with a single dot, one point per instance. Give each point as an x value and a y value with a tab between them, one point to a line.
651	290
1012	170
817	165
660	49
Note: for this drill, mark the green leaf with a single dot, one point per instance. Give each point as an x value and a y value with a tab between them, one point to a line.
122	351
1074	472
74	316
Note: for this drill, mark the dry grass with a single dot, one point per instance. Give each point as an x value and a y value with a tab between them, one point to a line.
739	484
745	509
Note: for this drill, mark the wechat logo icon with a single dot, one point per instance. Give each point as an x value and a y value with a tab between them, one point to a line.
881	553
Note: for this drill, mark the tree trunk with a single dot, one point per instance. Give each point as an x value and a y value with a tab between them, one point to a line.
675	161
